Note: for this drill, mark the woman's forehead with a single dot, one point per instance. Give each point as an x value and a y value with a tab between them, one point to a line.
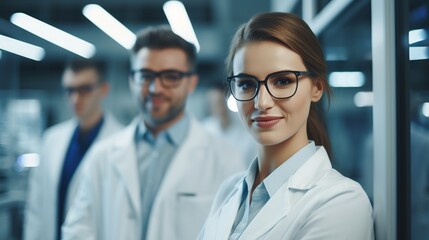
264	57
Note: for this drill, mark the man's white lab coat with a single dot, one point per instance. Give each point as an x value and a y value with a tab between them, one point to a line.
108	205
41	209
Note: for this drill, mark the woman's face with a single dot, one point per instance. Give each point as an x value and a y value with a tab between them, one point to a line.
273	121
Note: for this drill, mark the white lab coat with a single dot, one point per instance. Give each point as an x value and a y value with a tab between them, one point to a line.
108	205
316	203
41	209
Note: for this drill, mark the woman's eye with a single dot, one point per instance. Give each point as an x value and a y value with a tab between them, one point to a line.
246	84
282	81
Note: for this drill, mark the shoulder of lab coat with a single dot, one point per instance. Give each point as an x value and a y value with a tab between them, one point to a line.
40	210
316	203
35	213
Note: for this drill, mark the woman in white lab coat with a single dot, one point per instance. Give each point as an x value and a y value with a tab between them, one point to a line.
290	191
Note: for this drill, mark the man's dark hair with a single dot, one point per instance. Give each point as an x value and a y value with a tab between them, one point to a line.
80	64
163	37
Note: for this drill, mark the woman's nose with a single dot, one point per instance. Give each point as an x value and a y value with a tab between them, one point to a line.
263	99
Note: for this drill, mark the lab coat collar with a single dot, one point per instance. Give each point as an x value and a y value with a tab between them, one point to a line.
62	143
125	160
279	205
229	211
193	147
311	171
275	209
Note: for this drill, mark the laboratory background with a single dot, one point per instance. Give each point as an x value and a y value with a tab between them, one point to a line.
377	54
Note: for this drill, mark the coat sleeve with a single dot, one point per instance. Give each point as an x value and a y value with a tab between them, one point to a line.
81	219
346	215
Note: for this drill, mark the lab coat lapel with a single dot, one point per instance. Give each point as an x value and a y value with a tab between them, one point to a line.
280	205
275	209
109	126
192	148
58	153
315	168
228	213
125	161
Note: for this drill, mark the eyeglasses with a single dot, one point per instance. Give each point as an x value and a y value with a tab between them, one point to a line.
280	85
81	90
169	78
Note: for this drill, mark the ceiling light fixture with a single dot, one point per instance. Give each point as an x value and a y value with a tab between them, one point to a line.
54	35
21	48
180	23
110	25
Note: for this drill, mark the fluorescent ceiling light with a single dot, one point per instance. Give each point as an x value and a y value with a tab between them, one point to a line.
0	54
21	48
425	109
110	25
419	53
180	22
346	79
417	35
364	99
54	35
232	104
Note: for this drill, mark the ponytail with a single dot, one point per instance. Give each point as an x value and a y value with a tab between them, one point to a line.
316	130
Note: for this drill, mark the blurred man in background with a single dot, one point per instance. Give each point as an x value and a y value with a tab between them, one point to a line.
157	178
54	182
226	125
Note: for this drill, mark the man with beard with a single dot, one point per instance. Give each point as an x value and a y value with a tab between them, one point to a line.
157	178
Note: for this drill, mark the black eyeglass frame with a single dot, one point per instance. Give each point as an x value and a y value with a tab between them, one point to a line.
159	74
296	73
82	89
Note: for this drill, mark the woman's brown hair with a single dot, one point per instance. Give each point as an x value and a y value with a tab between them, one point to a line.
292	32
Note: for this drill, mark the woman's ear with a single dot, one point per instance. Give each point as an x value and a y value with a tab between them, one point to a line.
317	90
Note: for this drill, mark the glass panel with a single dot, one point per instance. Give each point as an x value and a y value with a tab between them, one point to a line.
347	46
419	117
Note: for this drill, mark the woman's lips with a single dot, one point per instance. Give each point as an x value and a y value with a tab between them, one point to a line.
266	122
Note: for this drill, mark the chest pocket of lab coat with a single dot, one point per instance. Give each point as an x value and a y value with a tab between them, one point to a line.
192	211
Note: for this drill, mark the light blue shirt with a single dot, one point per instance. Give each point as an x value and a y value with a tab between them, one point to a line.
267	188
154	155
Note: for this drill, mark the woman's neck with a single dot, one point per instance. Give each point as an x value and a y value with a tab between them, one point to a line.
271	157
